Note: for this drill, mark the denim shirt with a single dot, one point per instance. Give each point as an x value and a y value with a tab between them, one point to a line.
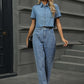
43	15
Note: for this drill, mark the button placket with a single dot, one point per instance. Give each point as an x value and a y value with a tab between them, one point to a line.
44	31
44	15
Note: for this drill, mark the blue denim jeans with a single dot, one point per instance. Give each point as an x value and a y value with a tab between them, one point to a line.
44	47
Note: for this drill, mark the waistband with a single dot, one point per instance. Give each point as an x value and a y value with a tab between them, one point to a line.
47	27
44	28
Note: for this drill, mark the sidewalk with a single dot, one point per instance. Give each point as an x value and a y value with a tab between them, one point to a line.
57	77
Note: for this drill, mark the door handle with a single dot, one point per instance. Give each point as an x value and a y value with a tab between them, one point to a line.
4	33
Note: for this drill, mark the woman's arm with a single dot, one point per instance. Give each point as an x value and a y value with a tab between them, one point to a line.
59	27
32	26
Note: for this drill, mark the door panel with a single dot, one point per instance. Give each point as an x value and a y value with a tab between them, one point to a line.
6	41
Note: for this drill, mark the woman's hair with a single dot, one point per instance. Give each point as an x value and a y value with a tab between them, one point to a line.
51	5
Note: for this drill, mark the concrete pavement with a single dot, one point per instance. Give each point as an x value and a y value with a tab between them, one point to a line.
57	77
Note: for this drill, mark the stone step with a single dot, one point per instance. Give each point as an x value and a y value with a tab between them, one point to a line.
74	52
70	58
69	66
78	47
81	41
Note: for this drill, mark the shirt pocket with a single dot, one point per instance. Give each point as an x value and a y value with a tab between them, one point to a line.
40	17
50	18
49	13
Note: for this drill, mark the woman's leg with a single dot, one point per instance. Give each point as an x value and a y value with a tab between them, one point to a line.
50	48
39	55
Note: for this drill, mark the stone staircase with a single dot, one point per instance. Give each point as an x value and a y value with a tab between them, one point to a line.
72	60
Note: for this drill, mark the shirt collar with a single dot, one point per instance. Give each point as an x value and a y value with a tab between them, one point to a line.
41	4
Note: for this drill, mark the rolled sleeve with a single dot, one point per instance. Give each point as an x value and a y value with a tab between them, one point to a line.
33	16
57	13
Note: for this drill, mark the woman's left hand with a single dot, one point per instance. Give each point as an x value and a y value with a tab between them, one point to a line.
65	41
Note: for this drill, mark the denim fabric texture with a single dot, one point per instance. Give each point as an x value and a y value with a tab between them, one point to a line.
44	41
44	47
43	15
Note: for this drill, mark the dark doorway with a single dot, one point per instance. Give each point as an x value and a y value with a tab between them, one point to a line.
6	37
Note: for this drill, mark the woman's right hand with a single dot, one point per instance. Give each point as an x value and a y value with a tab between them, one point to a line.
27	42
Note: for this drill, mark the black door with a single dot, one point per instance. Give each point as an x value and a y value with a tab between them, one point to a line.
6	37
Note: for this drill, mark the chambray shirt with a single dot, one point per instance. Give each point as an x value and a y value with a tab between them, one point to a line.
43	15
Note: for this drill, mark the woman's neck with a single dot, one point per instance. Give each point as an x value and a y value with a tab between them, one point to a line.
44	2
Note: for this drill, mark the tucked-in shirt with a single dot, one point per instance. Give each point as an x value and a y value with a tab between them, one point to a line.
43	15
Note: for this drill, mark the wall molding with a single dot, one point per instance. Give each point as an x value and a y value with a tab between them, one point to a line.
73	29
80	0
75	14
22	8
20	28
57	44
19	8
75	0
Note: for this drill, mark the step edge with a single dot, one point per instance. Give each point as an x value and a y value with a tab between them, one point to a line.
63	62
74	50
73	56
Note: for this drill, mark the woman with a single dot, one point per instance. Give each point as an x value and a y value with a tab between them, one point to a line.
44	16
